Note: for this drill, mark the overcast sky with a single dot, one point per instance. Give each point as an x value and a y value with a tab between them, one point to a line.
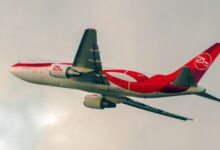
144	35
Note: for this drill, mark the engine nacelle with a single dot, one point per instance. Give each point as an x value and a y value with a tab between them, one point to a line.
62	71
97	102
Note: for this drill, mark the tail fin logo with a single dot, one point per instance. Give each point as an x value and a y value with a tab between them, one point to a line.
203	61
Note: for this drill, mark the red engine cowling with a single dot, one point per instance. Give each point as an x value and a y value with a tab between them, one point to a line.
97	102
62	71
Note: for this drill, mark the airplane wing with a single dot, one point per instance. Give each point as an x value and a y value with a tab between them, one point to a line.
130	102
88	57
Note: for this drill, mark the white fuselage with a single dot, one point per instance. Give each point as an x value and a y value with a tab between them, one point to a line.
41	75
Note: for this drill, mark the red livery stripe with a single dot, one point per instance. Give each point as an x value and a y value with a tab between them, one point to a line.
37	64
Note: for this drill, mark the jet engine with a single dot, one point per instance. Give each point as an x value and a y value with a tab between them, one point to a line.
97	102
62	71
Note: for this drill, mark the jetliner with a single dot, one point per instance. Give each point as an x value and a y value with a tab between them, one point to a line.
115	86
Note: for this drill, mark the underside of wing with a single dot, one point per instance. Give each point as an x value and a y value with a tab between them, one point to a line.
88	58
133	103
88	52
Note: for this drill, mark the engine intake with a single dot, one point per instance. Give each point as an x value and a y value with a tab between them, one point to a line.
62	71
97	102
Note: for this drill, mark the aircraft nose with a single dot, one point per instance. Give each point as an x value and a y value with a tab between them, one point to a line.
13	69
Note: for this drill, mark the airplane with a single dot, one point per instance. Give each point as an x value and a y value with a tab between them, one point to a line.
114	86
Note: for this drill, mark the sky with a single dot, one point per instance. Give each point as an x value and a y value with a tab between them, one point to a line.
144	35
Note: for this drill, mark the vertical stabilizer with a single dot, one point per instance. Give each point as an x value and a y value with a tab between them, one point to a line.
201	63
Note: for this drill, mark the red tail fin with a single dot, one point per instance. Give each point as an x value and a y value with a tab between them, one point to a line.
200	64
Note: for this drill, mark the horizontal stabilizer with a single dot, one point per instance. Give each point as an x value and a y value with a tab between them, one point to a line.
185	78
209	96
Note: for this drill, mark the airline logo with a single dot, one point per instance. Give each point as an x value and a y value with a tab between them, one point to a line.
57	68
203	61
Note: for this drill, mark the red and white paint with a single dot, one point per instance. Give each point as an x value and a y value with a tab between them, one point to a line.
129	83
